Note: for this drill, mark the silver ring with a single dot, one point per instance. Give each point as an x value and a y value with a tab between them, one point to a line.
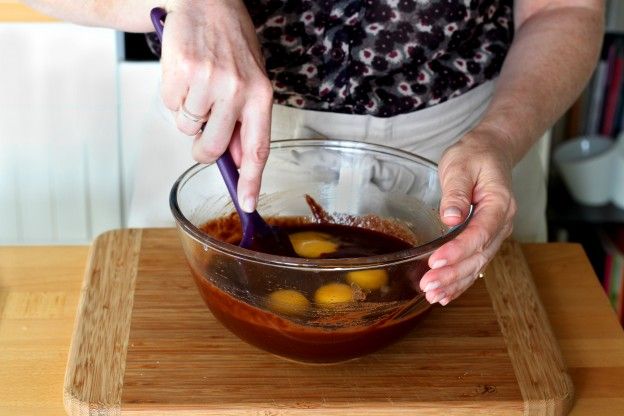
193	117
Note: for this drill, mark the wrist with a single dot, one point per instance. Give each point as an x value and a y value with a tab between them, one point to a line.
491	138
173	5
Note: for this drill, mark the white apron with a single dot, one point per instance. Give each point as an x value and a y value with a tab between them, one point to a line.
426	132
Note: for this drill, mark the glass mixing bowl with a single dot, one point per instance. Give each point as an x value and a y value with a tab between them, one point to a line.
358	184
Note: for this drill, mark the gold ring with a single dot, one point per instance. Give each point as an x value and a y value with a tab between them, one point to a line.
193	117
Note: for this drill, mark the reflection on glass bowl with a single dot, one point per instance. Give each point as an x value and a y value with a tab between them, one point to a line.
316	310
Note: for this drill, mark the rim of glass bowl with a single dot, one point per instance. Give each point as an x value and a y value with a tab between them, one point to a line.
299	263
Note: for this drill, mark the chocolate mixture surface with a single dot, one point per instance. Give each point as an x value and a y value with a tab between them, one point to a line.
327	316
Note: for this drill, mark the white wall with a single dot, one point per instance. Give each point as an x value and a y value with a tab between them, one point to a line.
60	178
154	151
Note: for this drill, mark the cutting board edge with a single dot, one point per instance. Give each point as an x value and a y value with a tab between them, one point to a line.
451	408
509	294
77	405
80	397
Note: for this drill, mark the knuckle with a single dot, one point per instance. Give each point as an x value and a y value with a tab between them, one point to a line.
452	276
259	154
169	97
233	82
483	239
482	260
464	285
513	206
430	296
457	194
198	155
453	164
205	153
187	67
508	229
454	294
458	197
170	101
194	70
460	290
264	91
201	74
455	291
186	128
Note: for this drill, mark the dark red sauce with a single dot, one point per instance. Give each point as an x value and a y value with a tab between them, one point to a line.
318	337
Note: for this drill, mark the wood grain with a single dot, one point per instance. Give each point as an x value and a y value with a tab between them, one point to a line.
180	360
34	339
590	336
540	370
97	357
15	11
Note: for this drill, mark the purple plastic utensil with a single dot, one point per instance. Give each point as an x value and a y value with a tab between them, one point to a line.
257	234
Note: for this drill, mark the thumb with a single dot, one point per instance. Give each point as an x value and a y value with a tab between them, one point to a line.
457	187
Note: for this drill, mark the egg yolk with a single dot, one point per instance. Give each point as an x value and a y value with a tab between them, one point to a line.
311	244
287	302
368	279
333	294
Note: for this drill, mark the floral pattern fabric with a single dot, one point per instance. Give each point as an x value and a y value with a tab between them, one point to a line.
380	57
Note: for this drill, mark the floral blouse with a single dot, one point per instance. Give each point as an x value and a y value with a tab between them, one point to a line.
380	57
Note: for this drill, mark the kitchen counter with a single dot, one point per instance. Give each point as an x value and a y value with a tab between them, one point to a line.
40	288
16	11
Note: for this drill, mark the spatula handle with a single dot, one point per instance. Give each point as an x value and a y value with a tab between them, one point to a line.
225	163
158	15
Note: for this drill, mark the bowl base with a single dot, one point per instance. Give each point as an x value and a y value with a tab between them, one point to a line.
315	364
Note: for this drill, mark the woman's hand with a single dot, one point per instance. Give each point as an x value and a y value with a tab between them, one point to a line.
213	69
475	170
525	104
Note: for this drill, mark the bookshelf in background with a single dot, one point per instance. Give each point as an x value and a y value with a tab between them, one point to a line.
598	111
613	280
600	108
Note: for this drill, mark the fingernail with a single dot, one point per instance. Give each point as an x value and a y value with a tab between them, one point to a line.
438	263
445	301
432	286
452	212
248	204
441	295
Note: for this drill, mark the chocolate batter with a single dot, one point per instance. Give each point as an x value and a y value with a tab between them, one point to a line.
322	333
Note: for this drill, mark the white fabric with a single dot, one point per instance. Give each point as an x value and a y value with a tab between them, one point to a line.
427	133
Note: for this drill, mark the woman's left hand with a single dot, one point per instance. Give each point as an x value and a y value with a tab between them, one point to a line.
476	170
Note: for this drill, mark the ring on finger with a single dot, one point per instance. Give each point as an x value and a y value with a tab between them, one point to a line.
191	116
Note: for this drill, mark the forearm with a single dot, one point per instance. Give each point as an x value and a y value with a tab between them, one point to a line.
551	58
124	15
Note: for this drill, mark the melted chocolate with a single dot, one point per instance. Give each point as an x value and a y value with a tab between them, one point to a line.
322	335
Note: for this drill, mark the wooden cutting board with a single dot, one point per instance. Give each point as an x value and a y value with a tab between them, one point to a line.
145	344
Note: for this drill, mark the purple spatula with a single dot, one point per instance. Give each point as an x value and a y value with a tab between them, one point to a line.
257	234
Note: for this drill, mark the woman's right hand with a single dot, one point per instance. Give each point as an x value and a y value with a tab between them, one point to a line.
213	66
